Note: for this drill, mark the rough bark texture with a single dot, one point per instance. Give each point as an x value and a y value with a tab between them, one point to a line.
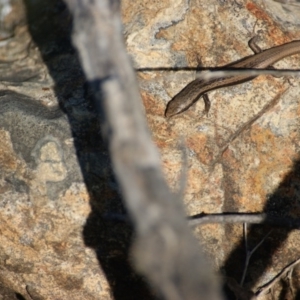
179	271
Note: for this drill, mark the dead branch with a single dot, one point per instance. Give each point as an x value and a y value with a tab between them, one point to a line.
251	218
228	218
165	251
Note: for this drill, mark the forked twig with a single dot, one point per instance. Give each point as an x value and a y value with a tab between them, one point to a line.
250	253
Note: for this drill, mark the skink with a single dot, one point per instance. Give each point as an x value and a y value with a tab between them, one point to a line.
198	87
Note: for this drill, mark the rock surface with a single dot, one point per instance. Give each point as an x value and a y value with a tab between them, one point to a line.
245	156
55	174
56	181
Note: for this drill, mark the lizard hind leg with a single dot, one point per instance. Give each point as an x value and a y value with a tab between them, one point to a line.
256	49
253	45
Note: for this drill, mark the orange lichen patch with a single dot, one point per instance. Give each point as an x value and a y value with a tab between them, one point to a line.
142	10
147	75
161	142
189	44
152	106
198	143
159	126
274	158
162	133
259	13
196	180
171	168
255	172
191	39
181	45
271	148
205	191
273	29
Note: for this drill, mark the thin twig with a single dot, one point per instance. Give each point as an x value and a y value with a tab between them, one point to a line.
264	289
225	218
250	253
245	233
253	218
212	73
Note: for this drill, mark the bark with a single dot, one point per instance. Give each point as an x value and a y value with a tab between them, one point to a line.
165	251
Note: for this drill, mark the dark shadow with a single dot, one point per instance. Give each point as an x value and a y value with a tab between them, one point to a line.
297	295
50	25
282	203
20	297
